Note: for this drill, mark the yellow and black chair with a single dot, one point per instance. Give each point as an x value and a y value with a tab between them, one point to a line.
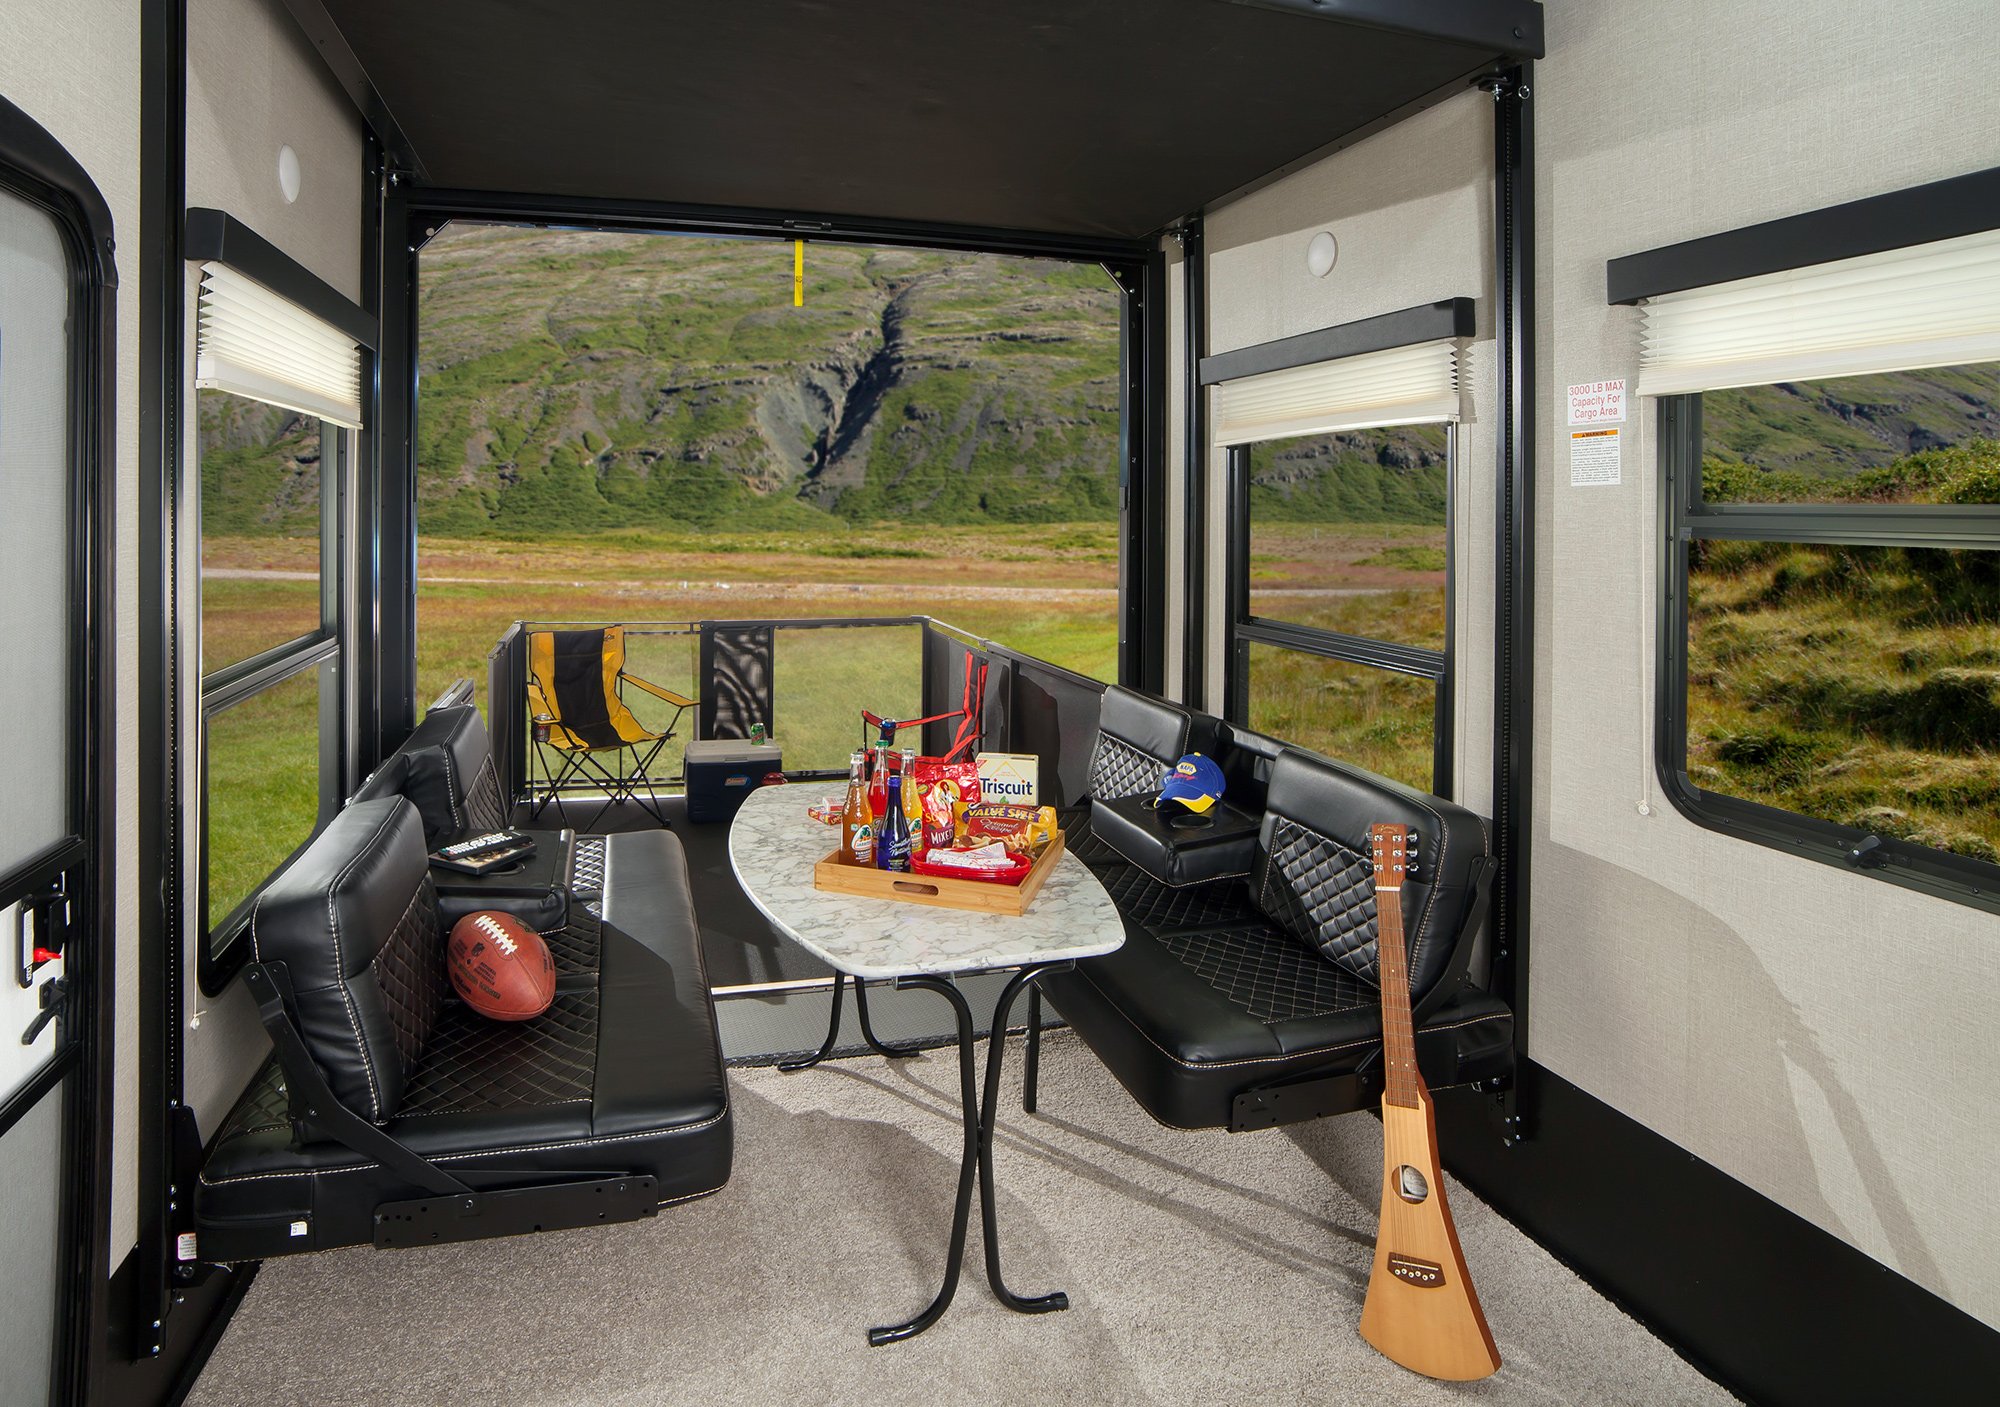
576	682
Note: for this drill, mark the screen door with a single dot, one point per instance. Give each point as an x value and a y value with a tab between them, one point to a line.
46	860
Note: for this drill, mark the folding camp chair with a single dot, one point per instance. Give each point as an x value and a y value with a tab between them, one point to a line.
576	681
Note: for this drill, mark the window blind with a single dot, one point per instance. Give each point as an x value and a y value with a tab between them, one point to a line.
1925	305
1399	386
253	343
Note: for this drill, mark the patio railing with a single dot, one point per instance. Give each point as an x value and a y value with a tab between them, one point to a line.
807	680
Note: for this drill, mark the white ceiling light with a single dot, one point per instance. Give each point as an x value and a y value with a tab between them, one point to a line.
1320	254
288	173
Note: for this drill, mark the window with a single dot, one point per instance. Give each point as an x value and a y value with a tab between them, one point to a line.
1340	540
270	552
1830	629
277	400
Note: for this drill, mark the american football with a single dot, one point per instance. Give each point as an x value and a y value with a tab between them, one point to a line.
500	966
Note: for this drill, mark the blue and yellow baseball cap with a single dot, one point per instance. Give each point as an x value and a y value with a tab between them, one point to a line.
1195	782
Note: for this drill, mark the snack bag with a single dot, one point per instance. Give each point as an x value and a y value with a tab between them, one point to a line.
1025	829
944	787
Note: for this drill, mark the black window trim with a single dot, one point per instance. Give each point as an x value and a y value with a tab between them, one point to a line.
1684	518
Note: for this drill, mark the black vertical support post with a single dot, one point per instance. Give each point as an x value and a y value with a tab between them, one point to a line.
1194	425
156	771
358	623
1514	654
389	552
1142	500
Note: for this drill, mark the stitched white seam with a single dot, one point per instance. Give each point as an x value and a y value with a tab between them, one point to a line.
451	787
340	965
474	1108
604	893
444	1158
1263	1059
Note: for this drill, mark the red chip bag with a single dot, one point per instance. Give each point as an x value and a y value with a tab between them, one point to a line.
944	786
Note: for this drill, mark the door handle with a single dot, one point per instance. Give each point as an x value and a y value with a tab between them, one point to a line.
55	992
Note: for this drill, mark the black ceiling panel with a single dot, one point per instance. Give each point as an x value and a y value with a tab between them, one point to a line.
1078	117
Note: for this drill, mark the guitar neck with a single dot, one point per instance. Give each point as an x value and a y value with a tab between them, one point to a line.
1402	1084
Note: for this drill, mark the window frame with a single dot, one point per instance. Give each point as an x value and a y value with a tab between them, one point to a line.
1243	629
220	953
1449	318
1684	518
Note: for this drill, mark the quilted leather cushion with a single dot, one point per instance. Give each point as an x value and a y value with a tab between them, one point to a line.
1139	737
1219	844
445	768
622	1073
1314	879
1188	1020
353	920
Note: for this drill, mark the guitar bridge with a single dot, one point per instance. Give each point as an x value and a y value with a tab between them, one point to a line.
1425	1275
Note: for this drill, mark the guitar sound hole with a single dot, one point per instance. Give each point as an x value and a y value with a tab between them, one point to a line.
1411	1185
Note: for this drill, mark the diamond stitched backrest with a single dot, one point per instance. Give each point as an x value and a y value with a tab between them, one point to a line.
410	972
1139	737
1313	877
350	918
1119	769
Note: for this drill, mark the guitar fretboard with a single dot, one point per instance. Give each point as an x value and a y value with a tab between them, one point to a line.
1401	1083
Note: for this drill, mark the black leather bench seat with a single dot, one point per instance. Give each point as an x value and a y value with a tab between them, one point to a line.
1188	1020
1226	986
622	1074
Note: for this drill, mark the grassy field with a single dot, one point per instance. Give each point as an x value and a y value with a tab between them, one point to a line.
1048	591
1858	685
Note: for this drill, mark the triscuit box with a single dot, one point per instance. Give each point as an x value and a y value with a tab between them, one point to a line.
1009	777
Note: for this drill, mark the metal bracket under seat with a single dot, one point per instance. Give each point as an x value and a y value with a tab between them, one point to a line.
460	1206
511	1211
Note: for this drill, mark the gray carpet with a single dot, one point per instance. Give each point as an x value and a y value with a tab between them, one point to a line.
1203	1267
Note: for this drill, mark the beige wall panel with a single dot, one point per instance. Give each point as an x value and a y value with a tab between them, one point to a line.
1412	209
74	68
255	85
1748	1004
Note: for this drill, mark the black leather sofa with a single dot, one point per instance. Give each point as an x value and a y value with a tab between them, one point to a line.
390	1112
1248	998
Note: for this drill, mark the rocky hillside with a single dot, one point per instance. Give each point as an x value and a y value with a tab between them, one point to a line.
574	381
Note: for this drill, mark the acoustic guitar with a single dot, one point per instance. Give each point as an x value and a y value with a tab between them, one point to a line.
1421	1310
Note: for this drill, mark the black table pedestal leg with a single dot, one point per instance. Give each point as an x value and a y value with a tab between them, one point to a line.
968	1060
893	1052
832	1029
1031	1069
989	1108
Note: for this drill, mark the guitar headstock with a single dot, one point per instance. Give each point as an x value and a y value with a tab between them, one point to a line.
1393	849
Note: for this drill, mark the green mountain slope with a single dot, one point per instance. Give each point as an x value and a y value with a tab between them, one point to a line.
573	381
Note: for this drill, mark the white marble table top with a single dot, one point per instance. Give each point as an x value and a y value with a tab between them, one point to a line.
774	844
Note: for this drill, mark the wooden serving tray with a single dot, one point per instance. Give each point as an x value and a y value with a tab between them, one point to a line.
941	891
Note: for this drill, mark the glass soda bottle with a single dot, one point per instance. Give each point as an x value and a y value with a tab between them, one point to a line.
857	818
913	808
878	786
892	836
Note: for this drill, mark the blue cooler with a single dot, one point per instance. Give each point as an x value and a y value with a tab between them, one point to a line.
722	771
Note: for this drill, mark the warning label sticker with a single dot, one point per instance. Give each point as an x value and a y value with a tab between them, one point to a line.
1596	402
1593	458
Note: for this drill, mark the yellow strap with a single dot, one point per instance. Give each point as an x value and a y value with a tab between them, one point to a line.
798	273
